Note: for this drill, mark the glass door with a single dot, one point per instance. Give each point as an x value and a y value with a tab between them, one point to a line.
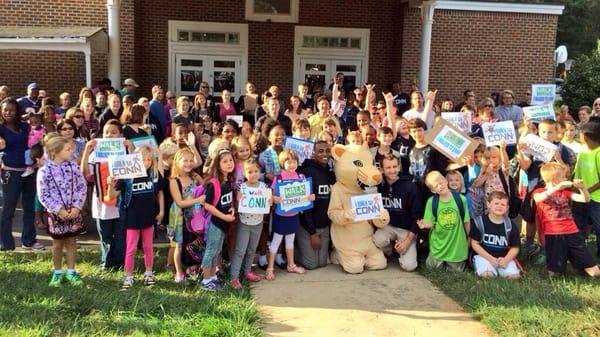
221	72
316	74
352	70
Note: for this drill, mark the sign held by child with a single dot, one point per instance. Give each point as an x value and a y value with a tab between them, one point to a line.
128	166
255	201
494	133
294	194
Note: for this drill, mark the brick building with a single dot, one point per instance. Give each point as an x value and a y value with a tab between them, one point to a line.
482	45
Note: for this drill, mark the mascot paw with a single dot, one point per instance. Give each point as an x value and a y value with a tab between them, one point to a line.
383	219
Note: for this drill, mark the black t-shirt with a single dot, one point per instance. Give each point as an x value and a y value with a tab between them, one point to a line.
404	145
129	133
495	241
224	204
187	121
143	191
402	102
424	160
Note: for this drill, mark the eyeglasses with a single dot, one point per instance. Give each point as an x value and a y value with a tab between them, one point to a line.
78	116
488	106
596	104
170	97
66	129
375	113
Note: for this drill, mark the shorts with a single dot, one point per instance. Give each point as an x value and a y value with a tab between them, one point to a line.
481	265
563	247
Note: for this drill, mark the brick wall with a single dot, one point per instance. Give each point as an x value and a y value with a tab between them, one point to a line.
61	71
270	45
484	51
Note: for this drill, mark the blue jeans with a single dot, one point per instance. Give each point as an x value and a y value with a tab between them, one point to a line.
583	213
214	244
112	242
13	187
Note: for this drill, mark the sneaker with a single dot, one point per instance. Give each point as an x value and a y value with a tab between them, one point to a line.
127	283
236	284
252	277
210	286
531	249
36	246
149	280
193	272
28	171
74	278
55	280
182	280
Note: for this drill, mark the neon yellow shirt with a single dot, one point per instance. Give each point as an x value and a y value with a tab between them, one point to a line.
587	169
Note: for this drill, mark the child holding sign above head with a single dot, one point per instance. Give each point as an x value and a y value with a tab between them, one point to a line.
493	176
249	226
446	213
219	203
285	225
563	240
141	206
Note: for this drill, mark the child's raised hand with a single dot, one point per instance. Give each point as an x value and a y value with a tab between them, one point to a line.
311	197
422	224
276	199
370	87
502	143
90	145
129	145
191	139
389	97
578	183
431	95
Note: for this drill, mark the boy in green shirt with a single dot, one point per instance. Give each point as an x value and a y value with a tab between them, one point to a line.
588	170
449	226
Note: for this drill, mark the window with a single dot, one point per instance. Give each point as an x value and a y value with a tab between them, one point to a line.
330	42
272	10
211	37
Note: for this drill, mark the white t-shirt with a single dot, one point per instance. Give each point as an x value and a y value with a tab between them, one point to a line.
101	210
413	113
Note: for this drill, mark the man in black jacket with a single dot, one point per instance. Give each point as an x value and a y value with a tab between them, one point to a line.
402	199
312	246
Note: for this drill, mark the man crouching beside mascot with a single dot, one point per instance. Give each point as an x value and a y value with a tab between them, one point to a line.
355	174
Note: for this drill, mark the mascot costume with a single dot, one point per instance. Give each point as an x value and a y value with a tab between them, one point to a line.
356	175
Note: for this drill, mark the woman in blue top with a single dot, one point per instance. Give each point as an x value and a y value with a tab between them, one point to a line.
13	141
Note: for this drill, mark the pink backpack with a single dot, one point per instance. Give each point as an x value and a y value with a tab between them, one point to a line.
200	216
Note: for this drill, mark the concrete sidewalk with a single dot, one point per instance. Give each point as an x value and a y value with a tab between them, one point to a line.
329	302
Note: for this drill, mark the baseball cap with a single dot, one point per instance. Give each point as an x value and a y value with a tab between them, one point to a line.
33	85
131	81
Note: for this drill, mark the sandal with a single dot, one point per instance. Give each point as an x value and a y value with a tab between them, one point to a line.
270	274
295	269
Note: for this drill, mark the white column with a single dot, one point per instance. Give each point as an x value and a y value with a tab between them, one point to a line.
114	49
88	68
427	9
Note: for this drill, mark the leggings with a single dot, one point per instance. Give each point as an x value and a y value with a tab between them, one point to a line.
289	242
132	236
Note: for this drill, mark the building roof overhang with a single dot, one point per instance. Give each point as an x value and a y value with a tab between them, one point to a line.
551	7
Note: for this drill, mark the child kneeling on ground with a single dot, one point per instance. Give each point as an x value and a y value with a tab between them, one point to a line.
563	238
447	216
495	240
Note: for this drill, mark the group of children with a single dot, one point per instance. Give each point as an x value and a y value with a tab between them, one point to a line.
464	207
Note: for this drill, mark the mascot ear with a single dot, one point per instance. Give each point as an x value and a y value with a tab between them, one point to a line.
337	151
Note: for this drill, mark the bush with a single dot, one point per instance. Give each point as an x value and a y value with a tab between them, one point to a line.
582	85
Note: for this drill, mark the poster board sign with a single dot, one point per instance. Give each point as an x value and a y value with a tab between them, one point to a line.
149	141
461	120
303	148
542	93
450	141
494	132
106	147
294	195
540	112
538	148
366	207
127	166
239	119
255	200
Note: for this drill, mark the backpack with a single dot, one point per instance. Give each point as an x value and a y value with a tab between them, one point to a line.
457	199
510	188
100	175
200	216
507	226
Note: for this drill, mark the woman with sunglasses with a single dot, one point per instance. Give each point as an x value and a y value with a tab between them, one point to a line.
67	129
81	133
485	114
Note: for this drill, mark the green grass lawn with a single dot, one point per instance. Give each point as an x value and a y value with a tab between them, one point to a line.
28	307
535	305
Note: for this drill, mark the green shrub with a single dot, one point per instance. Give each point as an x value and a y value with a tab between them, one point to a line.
582	85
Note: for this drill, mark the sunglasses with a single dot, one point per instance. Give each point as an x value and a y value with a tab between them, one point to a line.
488	106
375	113
66	129
170	97
78	116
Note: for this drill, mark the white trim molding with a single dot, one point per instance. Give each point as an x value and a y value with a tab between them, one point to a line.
505	7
